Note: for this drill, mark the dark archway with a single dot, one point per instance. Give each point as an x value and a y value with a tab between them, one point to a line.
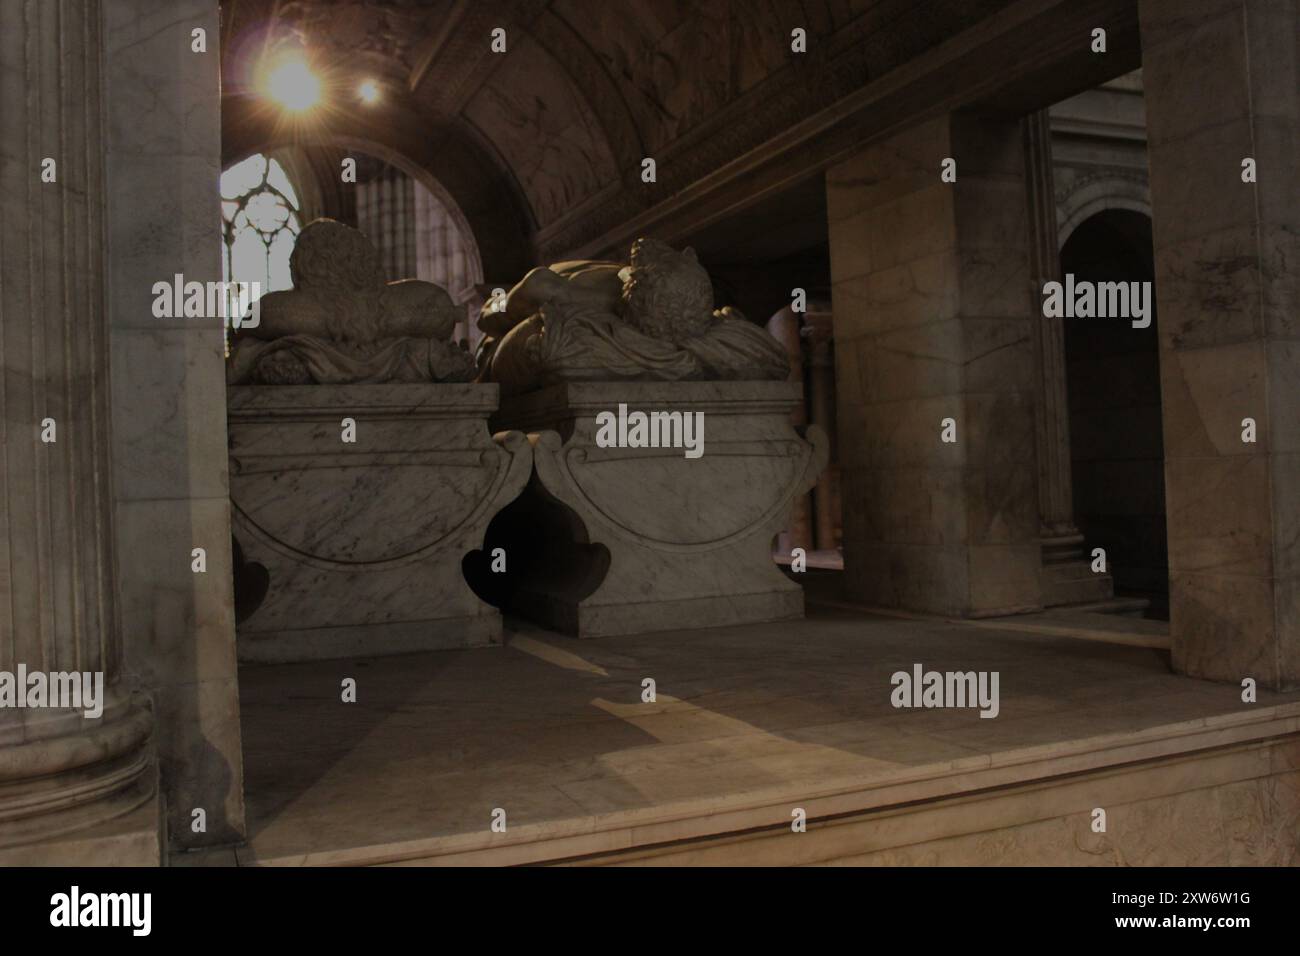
1116	434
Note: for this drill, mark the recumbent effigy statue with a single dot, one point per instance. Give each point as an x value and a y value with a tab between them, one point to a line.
341	323
650	320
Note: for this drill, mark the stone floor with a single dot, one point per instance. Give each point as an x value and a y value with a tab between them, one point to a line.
553	729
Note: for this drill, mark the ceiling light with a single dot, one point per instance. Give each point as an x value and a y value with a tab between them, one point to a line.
293	86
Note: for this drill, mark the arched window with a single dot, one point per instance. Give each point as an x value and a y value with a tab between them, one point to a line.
259	218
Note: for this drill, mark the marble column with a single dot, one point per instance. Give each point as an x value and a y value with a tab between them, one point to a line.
1067	576
785	327
73	789
1055	489
386	214
821	411
933	321
1222	84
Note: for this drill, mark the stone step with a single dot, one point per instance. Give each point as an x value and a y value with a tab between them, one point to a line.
1123	606
1074	582
950	812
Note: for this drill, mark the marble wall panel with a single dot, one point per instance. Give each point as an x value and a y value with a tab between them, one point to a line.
1003	578
1219	517
531	112
905	164
917	361
1207	393
1286	531
920	290
933	578
161	210
1178	71
1223	627
1213	289
1194	211
1001	507
915	506
995	284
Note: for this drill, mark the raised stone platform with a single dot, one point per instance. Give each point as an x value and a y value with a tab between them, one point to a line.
364	539
689	539
752	722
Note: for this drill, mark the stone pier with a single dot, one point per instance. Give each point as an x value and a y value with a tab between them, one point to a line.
1223	86
932	315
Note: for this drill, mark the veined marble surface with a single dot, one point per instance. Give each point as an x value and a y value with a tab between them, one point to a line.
689	539
364	540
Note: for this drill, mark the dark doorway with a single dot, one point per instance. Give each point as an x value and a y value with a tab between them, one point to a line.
1116	437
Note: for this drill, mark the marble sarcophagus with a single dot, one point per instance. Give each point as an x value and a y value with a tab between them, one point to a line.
688	526
362	470
665	461
362	501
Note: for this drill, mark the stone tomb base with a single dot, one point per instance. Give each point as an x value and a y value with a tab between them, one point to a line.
364	540
686	542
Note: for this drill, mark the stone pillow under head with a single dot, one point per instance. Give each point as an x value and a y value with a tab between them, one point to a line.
412	307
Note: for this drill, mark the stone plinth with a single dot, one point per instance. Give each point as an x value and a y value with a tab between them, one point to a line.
364	540
689	539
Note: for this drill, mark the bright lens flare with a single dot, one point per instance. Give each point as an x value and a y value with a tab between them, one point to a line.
368	91
294	86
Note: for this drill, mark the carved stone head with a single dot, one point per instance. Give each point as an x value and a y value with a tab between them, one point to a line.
666	294
339	267
333	256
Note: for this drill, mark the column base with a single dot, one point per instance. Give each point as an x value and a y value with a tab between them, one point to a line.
1067	576
1060	547
135	839
80	790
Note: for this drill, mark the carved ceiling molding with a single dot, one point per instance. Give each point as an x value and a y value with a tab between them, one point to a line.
895	64
427	51
594	83
462	61
871	46
381	36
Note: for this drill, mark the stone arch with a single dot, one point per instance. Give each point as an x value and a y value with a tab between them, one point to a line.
483	198
417	173
1096	195
591	79
531	114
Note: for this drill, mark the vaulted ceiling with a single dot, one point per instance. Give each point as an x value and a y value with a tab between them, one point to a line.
541	146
